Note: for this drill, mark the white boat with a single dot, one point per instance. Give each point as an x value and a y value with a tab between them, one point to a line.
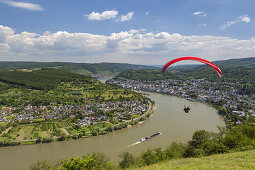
142	139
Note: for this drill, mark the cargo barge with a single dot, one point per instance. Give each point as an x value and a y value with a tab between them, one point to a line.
149	137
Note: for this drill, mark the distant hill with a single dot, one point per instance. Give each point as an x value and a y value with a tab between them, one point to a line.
145	75
243	62
240	62
238	160
186	67
81	68
237	70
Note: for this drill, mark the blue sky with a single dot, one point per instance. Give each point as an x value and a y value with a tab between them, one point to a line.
128	30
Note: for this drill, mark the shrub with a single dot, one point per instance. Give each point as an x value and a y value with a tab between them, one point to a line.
61	138
175	150
91	161
127	161
148	157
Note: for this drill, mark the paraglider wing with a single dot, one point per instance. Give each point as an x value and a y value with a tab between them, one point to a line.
192	58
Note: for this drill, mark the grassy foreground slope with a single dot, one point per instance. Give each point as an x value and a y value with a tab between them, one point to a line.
237	160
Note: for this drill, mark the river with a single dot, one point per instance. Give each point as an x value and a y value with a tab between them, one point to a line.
168	118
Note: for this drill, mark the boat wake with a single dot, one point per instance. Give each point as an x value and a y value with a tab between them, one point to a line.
136	143
143	139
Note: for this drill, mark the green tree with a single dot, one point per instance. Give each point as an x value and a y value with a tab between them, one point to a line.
127	161
148	157
175	150
199	138
91	161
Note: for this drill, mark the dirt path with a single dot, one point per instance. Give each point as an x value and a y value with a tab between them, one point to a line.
64	130
6	130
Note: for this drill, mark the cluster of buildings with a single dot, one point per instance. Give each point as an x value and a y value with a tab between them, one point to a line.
120	110
88	113
197	89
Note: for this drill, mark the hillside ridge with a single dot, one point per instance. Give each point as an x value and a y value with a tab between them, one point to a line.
81	68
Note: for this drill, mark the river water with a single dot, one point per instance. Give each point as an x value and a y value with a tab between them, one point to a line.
168	118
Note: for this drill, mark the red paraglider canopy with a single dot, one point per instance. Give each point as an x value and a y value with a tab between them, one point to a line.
192	58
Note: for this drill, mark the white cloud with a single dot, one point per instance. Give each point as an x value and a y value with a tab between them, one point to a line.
23	5
5	32
103	16
243	18
200	13
202	25
147	13
134	46
127	17
197	13
246	19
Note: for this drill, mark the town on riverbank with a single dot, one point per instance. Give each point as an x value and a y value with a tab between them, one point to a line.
233	106
44	124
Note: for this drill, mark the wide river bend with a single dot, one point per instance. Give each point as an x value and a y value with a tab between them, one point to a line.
168	118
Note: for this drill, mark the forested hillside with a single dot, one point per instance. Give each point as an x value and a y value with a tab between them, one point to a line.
41	79
237	62
145	75
234	70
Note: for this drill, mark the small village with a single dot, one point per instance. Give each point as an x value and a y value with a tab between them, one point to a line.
197	90
89	113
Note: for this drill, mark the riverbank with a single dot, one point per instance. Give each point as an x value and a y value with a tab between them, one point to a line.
121	125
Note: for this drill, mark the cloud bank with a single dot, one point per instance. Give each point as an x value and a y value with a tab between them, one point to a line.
134	46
